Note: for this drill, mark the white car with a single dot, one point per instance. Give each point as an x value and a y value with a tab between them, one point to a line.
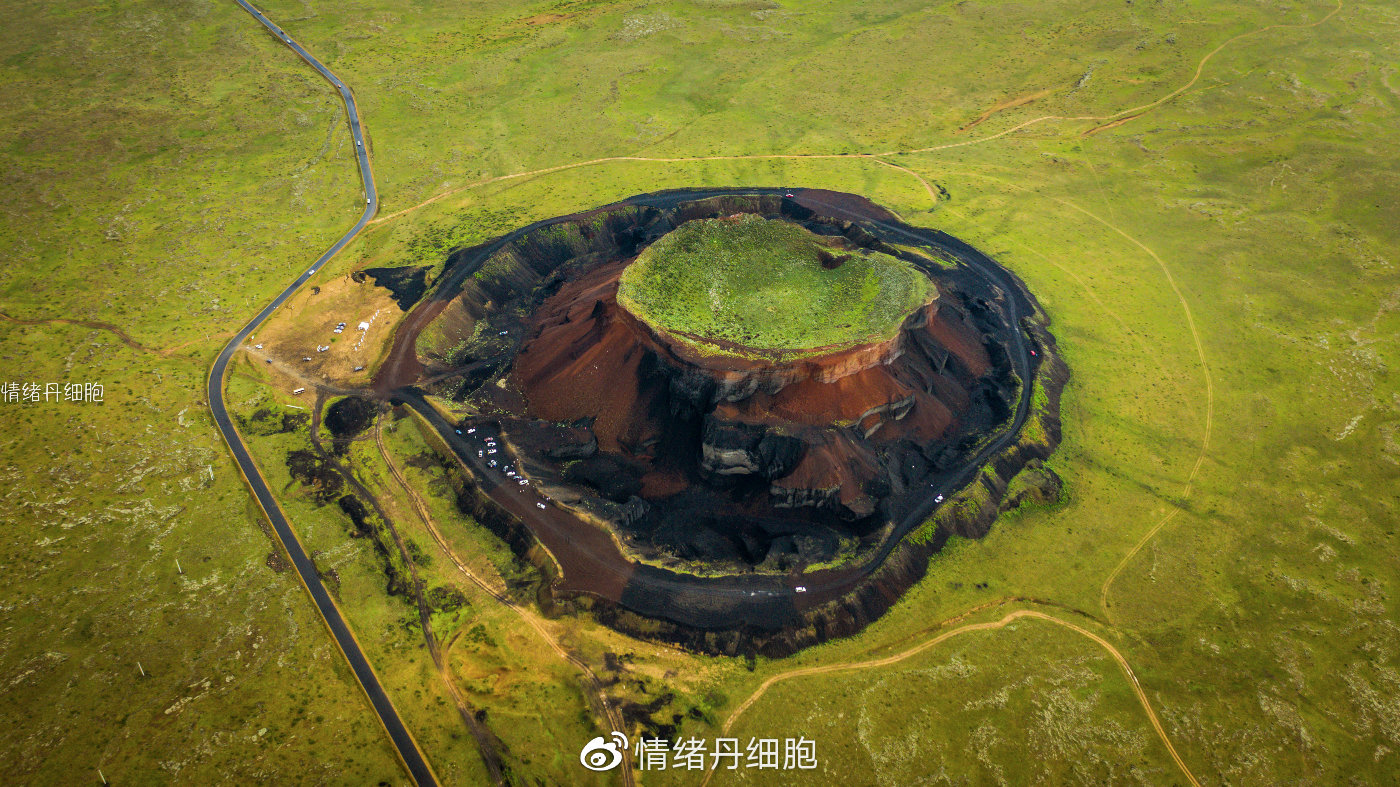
257	347
522	482
490	450
938	499
480	454
471	430
539	506
801	588
493	463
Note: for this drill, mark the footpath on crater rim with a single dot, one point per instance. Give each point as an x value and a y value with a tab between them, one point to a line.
729	415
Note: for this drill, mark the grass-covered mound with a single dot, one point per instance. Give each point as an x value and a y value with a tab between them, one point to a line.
753	284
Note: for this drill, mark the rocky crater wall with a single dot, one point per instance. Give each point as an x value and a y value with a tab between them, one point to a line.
719	473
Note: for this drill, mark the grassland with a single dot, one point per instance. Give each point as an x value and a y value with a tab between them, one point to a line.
166	168
1220	269
768	285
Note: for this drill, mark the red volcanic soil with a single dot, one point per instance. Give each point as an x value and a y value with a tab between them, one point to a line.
585	362
646	459
587	358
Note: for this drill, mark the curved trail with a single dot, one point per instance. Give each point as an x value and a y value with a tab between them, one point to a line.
404	745
1209	417
123	336
1210	404
491	759
95	325
403	742
599	699
1070	272
1001	106
1114	118
947	635
1118	118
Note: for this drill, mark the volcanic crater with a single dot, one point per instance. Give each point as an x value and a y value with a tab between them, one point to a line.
753	396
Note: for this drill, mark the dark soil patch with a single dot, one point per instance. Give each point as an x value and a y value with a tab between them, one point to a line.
445	598
398	584
832	261
317	474
405	285
267	421
756	471
349	416
643	715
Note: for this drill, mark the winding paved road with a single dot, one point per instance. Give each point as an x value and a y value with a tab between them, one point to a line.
407	748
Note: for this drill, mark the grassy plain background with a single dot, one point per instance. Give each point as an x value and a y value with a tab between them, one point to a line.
154	186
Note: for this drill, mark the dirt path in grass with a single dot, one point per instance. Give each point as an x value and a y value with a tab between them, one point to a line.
597	696
1208	379
1209	414
1107	121
967	629
95	325
123	336
308	380
1010	103
487	743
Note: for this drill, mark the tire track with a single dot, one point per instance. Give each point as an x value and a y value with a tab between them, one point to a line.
1210	403
1114	118
598	698
967	629
1209	417
123	336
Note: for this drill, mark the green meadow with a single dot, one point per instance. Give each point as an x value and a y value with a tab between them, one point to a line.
768	285
1219	268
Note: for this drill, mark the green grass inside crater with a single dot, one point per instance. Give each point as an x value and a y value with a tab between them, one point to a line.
739	285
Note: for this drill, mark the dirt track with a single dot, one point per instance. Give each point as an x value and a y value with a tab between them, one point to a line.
597	696
967	629
1113	119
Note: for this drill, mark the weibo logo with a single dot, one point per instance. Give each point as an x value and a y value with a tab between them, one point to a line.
601	754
